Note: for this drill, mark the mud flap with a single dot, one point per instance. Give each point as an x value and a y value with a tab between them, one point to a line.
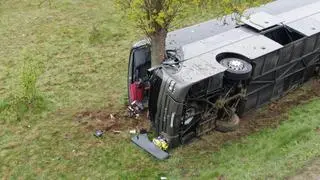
144	143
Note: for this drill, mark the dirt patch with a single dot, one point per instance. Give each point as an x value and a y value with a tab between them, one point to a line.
110	121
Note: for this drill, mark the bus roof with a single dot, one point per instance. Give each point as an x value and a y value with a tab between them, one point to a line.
198	57
181	37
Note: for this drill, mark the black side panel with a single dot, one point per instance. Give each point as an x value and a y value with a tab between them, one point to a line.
278	72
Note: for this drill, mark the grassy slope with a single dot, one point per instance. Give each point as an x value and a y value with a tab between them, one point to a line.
86	75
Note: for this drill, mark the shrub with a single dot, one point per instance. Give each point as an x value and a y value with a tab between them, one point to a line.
29	76
25	97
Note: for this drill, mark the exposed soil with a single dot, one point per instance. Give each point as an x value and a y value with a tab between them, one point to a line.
110	122
268	116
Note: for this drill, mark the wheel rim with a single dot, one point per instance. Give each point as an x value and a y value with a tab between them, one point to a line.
236	65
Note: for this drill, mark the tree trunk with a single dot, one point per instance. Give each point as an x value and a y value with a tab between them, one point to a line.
158	47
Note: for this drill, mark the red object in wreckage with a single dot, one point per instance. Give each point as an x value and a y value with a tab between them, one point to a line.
136	92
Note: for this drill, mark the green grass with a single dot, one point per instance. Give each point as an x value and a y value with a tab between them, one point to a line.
84	47
272	153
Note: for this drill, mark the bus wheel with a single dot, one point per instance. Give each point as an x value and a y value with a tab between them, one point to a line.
238	69
228	126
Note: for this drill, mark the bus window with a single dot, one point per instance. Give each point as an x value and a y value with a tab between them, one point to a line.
139	63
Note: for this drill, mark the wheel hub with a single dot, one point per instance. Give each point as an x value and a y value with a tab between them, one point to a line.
236	65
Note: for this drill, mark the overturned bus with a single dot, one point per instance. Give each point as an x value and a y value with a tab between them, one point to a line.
215	73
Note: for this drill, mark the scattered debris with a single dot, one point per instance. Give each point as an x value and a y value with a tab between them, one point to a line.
98	133
134	109
161	143
116	132
101	119
133	131
143	131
